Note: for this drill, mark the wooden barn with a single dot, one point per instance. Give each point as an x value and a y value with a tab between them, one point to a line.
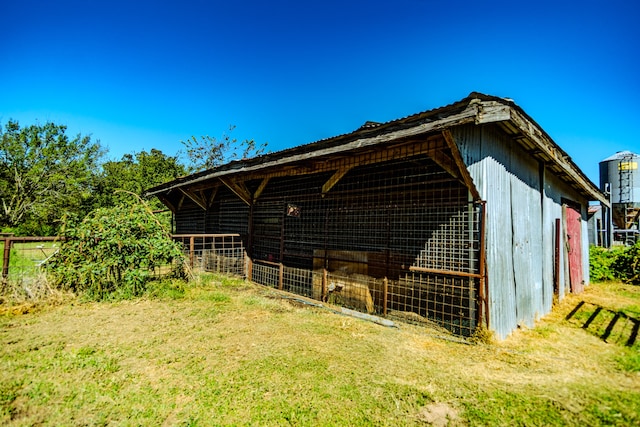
464	215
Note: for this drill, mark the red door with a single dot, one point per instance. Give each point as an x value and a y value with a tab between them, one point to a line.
574	247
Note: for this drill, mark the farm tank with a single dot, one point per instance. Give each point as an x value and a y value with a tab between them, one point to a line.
621	174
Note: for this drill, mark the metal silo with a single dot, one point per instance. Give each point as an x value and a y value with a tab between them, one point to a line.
620	176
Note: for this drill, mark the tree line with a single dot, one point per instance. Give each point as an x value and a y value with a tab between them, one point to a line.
47	176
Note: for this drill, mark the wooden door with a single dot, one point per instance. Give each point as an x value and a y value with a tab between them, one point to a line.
574	248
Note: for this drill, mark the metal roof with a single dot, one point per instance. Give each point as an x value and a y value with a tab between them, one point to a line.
621	155
477	108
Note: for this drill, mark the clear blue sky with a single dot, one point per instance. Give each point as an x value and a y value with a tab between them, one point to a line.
138	75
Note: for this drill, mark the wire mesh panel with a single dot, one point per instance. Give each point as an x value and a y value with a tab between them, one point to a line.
393	237
390	232
22	260
298	281
221	253
445	300
227	261
267	275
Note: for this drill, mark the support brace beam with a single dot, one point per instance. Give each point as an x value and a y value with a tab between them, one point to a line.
214	192
335	178
457	158
167	203
238	189
261	188
197	198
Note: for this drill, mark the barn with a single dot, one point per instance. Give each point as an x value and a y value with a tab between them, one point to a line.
465	215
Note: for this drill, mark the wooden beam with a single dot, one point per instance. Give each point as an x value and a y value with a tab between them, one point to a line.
433	146
445	162
421	129
197	199
167	203
212	196
238	188
335	178
457	158
261	188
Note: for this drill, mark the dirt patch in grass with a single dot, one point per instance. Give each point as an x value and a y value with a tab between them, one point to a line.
230	353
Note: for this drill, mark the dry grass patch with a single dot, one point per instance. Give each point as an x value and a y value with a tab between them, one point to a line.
230	353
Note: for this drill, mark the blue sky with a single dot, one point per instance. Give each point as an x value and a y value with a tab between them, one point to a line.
138	75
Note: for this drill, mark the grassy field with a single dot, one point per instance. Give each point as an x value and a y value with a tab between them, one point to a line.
226	352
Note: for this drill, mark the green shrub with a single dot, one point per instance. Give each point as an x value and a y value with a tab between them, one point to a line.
600	263
113	253
627	265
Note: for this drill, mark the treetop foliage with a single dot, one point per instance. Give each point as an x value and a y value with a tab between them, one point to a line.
207	152
46	175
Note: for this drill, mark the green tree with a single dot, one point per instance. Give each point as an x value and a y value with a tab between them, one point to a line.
135	173
207	152
44	175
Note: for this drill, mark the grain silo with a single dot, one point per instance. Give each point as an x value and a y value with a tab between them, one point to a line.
620	176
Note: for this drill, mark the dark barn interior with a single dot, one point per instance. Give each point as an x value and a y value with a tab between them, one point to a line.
391	231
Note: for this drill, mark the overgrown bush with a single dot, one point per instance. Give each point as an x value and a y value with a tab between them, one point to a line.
600	260
113	253
627	264
619	263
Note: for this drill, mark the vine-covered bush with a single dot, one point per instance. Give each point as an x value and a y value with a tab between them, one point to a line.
627	264
114	252
618	263
600	260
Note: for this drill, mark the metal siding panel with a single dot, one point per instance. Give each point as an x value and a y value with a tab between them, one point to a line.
527	238
555	191
550	211
487	162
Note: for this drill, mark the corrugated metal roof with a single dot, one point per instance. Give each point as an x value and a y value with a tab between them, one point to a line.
593	209
620	155
477	108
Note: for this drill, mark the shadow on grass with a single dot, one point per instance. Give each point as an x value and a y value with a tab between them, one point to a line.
609	325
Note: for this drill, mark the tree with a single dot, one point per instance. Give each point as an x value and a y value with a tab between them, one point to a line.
135	173
207	152
44	175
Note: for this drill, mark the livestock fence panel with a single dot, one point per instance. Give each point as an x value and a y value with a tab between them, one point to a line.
219	253
22	258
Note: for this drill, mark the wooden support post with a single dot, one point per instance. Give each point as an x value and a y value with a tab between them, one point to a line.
324	284
385	295
192	246
6	257
248	265
281	276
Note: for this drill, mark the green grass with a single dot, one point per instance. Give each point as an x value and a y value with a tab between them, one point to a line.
224	352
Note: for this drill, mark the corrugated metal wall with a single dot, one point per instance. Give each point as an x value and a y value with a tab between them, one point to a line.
510	185
523	203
